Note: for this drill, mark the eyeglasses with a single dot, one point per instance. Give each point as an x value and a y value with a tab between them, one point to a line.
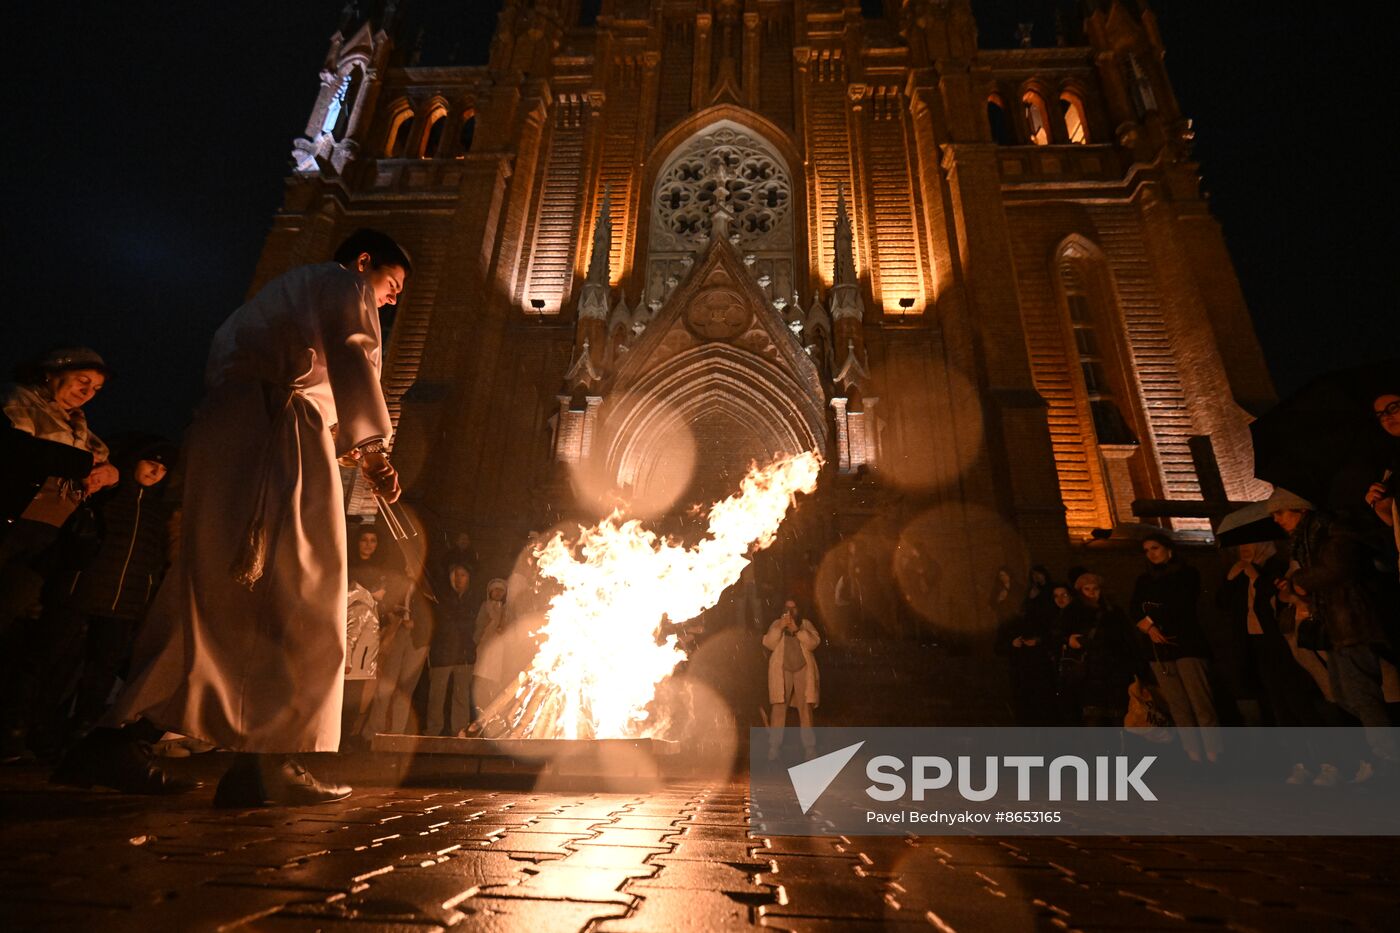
1389	411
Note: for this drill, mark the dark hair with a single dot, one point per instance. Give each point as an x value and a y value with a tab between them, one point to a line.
1163	539
382	249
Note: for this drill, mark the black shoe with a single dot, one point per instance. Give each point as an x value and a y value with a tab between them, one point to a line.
108	758
272	781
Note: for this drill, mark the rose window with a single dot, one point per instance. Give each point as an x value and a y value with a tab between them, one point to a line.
724	167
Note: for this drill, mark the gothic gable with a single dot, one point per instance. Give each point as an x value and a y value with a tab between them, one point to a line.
720	303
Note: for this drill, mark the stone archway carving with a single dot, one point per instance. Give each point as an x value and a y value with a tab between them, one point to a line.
735	406
719	366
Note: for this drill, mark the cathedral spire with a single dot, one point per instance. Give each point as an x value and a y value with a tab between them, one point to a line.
846	301
843	270
599	264
593	302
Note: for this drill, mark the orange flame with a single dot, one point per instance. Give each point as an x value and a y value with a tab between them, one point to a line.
600	654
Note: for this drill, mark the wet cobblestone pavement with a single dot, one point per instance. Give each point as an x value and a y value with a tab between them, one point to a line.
673	858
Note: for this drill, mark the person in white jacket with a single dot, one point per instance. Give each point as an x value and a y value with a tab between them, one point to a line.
361	661
793	678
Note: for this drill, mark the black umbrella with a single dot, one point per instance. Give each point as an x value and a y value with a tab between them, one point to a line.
1323	442
1248	525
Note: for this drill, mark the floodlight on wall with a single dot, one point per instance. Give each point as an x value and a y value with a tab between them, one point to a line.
906	303
537	304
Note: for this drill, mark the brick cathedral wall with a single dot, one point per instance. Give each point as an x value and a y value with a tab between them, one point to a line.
1035	232
776	69
617	165
892	203
1210	262
1168	407
677	66
515	441
828	156
554	224
403	354
1163	398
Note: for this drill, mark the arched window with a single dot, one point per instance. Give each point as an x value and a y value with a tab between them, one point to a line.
1076	127
399	128
1037	118
996	120
432	140
1086	293
464	138
342	104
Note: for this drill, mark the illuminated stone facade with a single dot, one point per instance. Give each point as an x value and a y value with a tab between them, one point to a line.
985	283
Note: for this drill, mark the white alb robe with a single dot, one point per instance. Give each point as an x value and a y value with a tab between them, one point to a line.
262	670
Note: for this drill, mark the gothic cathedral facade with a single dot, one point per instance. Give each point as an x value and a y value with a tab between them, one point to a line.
694	234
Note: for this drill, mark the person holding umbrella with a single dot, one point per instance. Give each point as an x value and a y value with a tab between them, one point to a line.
1340	584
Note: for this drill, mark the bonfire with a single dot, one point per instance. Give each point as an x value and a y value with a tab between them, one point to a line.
610	635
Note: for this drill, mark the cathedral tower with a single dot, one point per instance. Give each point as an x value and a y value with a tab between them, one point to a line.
687	234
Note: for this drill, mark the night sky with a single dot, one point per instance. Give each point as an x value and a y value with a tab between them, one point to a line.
146	145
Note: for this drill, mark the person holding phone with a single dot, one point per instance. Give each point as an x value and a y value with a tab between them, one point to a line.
793	678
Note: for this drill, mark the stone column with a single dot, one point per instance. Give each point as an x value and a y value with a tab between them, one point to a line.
1017	413
801	76
1116	98
330	81
857	94
751	53
700	81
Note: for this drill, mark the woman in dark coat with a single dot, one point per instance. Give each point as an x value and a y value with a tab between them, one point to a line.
1067	652
1110	661
1025	639
1246	596
1164	609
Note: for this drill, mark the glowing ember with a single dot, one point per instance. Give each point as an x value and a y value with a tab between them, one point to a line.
600	661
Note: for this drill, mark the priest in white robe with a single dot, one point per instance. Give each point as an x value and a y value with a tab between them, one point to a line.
245	644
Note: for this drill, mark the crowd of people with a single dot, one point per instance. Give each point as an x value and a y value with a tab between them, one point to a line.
90	532
213	594
430	639
427	656
1306	623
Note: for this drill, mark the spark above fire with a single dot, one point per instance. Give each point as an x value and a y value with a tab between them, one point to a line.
600	661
